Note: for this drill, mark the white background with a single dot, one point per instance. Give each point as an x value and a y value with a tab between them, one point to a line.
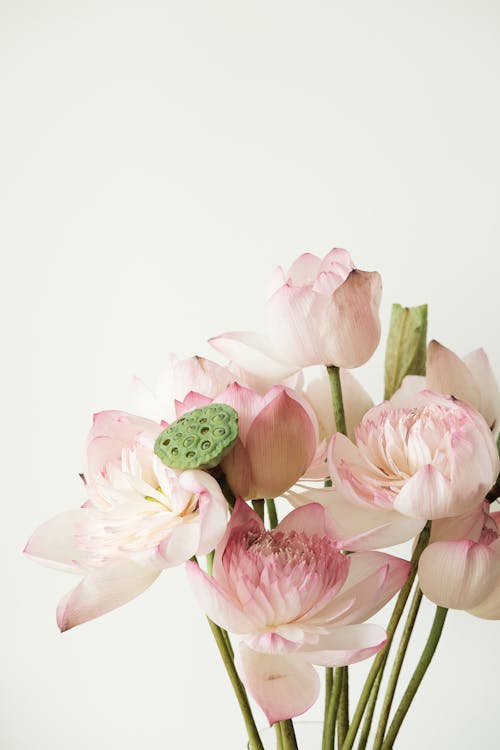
159	159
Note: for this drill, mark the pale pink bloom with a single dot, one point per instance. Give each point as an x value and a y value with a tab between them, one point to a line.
432	461
296	600
177	379
322	311
140	518
277	440
470	379
460	569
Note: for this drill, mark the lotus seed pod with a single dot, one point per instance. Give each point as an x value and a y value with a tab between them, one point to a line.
199	439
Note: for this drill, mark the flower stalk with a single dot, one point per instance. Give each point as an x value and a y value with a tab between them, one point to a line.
418	675
380	659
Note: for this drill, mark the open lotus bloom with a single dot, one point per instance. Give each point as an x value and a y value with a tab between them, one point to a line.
435	460
320	312
470	379
140	518
460	569
296	600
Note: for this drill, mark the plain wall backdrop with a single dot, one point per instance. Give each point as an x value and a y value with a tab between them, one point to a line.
158	160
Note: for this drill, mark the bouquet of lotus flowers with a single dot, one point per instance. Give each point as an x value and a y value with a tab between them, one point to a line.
275	480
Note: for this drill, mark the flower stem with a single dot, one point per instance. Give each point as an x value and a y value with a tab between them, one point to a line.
241	696
417	677
271	512
340	426
370	708
288	735
332	712
279	736
258	506
396	668
337	401
328	687
343	715
380	659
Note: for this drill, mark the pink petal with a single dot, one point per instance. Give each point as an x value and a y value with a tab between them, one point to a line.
304	269
297	323
480	368
121	426
428	494
374	578
310	519
466	526
346	645
406	395
181	543
489	608
243	519
192	400
245	402
103	590
281	443
447	373
283	686
360	527
458	575
353	320
216	603
212	507
342	455
53	543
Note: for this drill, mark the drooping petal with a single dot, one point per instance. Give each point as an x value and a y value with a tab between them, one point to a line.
103	590
458	575
54	543
283	686
345	645
216	603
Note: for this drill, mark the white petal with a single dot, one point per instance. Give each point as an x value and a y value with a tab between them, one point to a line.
103	590
283	686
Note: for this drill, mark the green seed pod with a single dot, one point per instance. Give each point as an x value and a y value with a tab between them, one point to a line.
199	439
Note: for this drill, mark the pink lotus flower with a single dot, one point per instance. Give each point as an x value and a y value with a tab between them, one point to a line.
436	460
140	518
277	438
470	379
177	379
460	569
322	311
296	600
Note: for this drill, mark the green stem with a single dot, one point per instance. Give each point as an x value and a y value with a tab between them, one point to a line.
343	715
271	512
241	696
279	736
258	506
328	687
370	708
379	661
331	714
288	735
396	668
337	402
418	676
